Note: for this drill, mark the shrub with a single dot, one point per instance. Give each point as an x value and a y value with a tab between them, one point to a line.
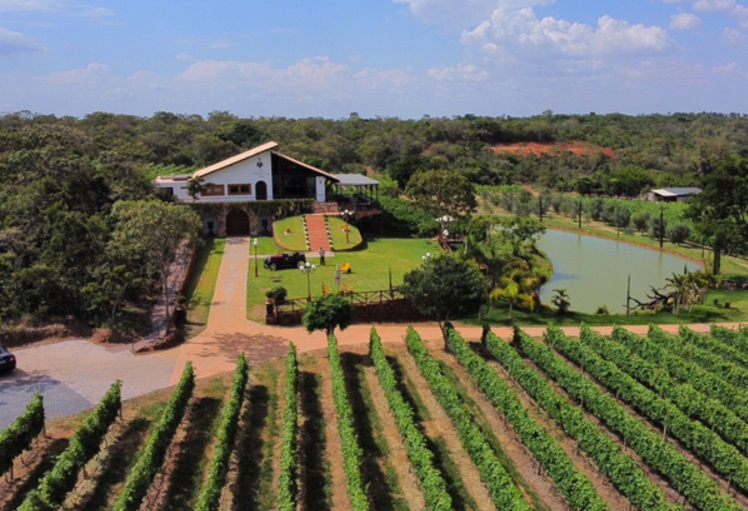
678	233
641	221
278	293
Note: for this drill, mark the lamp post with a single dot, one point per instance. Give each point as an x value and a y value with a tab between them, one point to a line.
308	269
254	243
347	214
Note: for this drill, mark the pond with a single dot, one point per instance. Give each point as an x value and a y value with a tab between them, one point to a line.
594	270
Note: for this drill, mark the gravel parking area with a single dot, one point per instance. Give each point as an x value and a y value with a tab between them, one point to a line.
73	375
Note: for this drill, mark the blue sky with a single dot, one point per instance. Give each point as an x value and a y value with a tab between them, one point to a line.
398	58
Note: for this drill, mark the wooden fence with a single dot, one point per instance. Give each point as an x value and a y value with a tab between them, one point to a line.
290	310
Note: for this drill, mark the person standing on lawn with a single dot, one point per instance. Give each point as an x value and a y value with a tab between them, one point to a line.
321	256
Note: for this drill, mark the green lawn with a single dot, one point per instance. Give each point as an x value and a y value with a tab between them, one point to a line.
265	246
289	234
337	234
202	284
369	271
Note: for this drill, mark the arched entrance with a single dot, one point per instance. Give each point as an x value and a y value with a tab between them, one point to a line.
237	223
261	190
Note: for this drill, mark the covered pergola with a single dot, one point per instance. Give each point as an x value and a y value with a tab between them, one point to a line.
362	186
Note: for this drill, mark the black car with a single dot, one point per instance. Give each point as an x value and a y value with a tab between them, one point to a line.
281	261
7	360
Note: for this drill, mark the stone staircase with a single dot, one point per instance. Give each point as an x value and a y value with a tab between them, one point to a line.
316	231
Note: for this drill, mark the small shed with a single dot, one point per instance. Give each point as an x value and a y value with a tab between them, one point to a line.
673	194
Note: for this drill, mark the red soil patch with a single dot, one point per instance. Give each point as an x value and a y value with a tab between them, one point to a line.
578	148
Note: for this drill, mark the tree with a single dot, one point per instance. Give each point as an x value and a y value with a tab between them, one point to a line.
442	192
627	181
519	231
153	232
508	293
445	287
641	220
326	313
678	233
561	300
719	212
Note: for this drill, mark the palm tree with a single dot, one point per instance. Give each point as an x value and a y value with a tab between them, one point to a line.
561	300
509	293
680	285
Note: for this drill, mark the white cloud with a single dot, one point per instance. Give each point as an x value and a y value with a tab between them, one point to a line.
393	80
685	21
457	14
147	79
12	43
72	9
316	72
30	5
741	12
92	73
714	5
515	32
732	37
729	68
461	73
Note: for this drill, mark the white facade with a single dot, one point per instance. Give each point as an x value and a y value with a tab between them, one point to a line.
244	177
233	180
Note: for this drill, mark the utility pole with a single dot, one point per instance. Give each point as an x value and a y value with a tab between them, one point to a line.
662	224
540	208
580	213
628	296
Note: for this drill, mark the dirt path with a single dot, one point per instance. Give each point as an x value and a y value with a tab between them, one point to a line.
397	455
338	484
439	427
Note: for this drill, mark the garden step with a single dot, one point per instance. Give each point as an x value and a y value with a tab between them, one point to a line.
316	229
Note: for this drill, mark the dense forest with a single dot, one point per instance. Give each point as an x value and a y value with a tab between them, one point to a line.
67	249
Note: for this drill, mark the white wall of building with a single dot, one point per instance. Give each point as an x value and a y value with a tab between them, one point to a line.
249	171
321	197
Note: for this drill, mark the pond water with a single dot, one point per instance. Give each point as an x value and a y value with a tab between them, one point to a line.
594	270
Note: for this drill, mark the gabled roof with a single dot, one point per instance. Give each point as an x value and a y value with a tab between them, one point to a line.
308	167
234	159
200	174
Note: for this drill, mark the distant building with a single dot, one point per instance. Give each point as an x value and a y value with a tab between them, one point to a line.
672	194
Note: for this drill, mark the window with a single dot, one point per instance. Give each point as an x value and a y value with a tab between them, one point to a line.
211	189
245	189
